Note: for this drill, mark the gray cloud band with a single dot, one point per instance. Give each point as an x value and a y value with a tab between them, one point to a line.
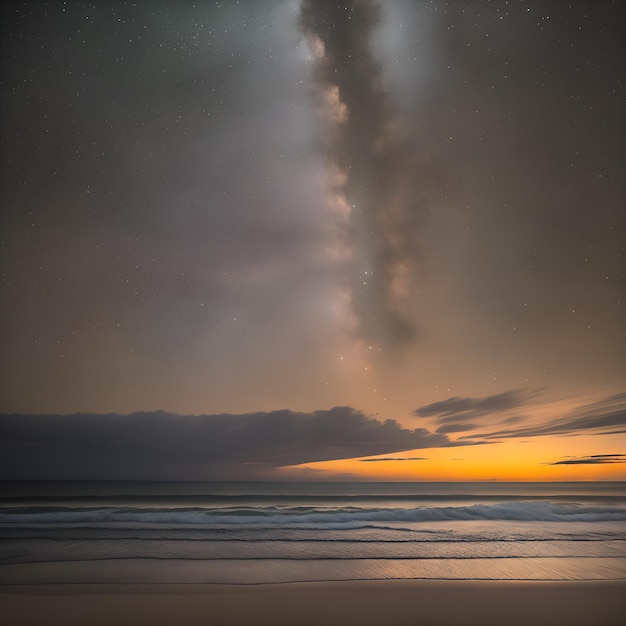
159	445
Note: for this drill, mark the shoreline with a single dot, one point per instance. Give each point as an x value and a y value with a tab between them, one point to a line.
345	603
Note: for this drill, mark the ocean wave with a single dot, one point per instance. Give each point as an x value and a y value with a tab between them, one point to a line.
302	517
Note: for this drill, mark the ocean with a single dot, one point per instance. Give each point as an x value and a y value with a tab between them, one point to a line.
252	533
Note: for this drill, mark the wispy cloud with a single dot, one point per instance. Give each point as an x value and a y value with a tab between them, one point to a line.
395	458
456	427
607	416
594	459
458	409
462	414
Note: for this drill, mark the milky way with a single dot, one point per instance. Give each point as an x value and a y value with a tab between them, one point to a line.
376	183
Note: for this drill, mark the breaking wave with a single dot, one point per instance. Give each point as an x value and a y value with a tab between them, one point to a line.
299	517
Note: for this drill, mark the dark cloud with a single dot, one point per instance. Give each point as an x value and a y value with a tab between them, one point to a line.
594	459
458	409
161	445
394	458
380	183
597	418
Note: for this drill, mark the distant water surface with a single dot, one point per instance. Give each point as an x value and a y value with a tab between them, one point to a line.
248	533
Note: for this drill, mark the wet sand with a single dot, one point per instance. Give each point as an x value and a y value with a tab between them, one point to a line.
501	603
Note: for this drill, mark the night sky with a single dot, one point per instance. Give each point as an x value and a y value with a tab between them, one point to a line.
239	237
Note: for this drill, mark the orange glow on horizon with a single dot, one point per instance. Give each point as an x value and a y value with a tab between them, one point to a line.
512	460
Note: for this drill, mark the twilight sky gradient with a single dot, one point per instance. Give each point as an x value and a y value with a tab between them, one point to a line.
222	219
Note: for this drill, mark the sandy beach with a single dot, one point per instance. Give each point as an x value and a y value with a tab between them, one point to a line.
501	603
